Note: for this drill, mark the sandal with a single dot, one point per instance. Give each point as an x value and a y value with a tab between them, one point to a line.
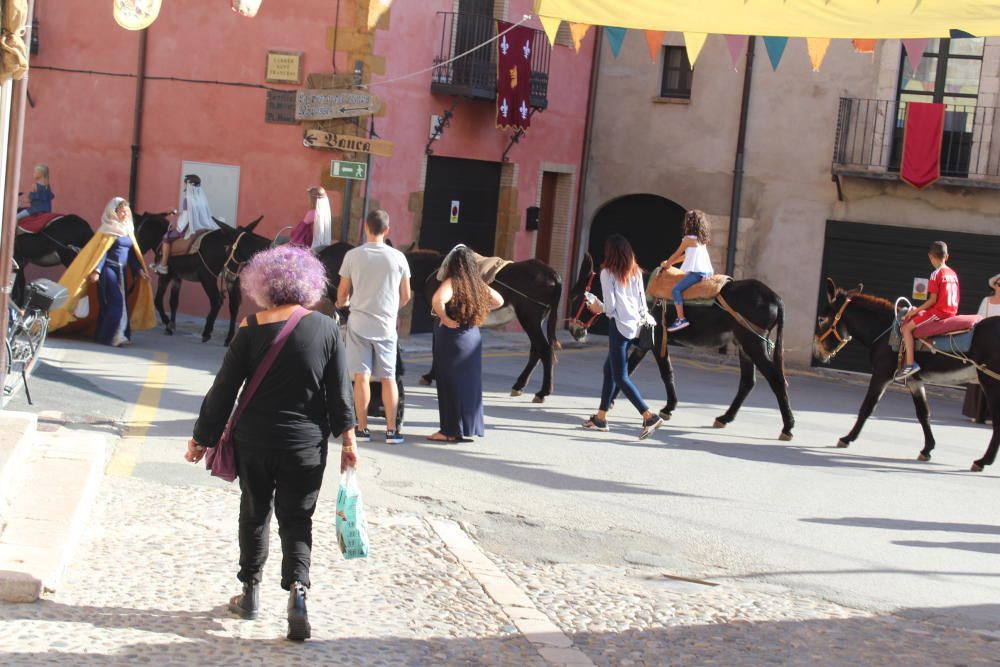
441	437
596	424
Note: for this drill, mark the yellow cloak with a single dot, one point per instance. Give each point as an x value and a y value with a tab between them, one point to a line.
139	295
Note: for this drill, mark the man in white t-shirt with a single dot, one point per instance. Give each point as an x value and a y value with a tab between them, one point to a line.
375	283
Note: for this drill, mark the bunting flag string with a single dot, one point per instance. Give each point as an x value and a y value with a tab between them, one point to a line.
551	28
654	40
616	36
915	51
737	47
578	31
775	49
864	45
693	42
817	48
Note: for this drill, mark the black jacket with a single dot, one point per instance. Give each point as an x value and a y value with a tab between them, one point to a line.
305	397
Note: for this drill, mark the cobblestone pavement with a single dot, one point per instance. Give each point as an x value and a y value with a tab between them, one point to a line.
151	580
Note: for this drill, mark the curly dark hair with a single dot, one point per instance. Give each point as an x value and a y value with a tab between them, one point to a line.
696	224
470	302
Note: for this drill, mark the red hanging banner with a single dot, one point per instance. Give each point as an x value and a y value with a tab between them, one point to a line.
514	50
923	132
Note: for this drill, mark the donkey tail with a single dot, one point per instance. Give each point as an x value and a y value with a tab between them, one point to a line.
779	340
553	322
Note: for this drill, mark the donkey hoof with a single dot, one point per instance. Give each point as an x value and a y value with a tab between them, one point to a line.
976	467
785	437
923	457
538	399
205	339
424	381
719	424
168	331
843	444
665	416
516	392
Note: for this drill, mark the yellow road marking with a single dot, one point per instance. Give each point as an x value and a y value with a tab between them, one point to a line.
123	463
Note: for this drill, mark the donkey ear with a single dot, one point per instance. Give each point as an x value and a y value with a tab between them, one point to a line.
857	290
227	231
253	225
831	290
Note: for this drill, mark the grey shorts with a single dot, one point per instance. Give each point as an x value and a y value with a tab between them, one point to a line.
371	357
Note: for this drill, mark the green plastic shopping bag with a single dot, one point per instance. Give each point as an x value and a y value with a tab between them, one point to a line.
352	528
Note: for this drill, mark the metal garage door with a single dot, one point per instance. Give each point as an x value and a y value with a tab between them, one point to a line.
887	259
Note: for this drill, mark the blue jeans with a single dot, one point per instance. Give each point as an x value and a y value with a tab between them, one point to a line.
692	278
616	371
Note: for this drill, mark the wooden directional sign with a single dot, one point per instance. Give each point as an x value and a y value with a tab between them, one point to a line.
318	104
346	143
357	171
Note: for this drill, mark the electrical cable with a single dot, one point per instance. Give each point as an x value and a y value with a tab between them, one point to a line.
525	19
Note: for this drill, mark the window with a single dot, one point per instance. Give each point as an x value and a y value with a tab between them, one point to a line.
677	73
948	73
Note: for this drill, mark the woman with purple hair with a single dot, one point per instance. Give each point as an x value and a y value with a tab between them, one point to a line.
281	437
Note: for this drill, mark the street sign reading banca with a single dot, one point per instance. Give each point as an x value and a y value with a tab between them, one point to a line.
357	171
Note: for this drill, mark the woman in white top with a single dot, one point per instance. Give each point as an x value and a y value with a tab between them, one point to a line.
625	306
990	307
697	264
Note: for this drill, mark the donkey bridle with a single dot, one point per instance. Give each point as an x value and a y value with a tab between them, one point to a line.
834	331
583	304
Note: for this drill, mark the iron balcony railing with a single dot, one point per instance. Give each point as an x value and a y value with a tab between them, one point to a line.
475	75
870	139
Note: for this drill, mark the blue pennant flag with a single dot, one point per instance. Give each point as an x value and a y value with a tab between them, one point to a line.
775	49
615	38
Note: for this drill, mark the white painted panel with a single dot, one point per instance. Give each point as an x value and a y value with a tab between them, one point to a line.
221	183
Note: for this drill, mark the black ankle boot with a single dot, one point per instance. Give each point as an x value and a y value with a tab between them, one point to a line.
247	603
298	617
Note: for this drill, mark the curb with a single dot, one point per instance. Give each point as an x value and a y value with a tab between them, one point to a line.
60	482
17	431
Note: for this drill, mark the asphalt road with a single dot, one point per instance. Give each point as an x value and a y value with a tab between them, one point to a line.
869	526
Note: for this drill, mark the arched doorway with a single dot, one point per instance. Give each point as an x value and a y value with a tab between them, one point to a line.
652	224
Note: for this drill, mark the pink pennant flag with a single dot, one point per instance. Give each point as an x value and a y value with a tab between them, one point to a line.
737	47
915	51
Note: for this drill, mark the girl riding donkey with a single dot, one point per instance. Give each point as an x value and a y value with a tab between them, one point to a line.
195	217
697	264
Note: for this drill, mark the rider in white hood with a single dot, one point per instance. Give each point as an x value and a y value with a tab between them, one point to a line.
195	217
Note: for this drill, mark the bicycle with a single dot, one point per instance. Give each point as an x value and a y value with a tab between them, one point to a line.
27	329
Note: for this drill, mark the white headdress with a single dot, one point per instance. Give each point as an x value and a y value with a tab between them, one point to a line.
322	223
196	216
110	224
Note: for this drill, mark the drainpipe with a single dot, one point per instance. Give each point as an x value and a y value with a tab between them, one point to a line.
741	140
140	89
585	156
12	176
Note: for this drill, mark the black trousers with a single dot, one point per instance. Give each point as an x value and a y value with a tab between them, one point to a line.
289	481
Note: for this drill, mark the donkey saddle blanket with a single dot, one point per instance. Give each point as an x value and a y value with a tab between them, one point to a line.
952	335
191	246
663	281
38	222
488	267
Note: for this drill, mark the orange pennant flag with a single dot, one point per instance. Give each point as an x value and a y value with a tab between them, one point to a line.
864	45
578	31
817	47
654	40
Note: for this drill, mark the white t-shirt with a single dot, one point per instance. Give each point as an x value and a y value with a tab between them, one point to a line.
375	271
987	309
696	259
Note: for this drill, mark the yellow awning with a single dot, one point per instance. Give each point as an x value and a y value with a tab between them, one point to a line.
837	19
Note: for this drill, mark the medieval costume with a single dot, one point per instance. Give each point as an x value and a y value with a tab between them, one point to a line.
195	217
315	230
121	300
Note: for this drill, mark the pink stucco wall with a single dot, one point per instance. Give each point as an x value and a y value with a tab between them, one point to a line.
81	123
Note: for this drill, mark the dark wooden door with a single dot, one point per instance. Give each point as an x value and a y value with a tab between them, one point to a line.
475	185
546	217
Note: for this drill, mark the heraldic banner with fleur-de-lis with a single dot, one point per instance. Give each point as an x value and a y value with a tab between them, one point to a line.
514	76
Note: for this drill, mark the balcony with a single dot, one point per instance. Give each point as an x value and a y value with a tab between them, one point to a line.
869	143
475	75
